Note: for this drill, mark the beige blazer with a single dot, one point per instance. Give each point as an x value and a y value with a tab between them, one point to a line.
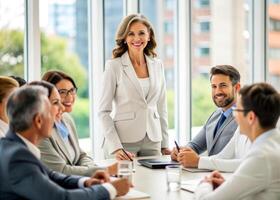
125	114
55	155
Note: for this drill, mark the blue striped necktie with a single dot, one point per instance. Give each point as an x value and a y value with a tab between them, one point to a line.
220	123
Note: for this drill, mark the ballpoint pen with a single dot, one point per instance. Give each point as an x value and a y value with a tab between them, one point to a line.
177	146
133	169
127	155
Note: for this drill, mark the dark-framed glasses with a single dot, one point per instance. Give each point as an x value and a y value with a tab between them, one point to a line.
64	92
240	110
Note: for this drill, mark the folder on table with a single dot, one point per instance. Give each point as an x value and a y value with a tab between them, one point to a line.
157	163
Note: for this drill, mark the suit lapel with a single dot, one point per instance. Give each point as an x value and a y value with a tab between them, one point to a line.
219	132
152	74
73	142
130	72
61	144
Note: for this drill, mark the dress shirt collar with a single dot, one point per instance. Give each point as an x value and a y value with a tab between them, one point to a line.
262	138
4	127
34	150
228	111
62	129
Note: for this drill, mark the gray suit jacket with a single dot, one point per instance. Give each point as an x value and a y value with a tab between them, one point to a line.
205	140
23	176
55	155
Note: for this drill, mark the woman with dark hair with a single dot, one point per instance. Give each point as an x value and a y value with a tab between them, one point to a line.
61	152
62	81
132	107
20	80
54	98
7	86
50	87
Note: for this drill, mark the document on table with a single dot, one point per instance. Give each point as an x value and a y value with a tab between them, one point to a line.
190	185
133	194
196	170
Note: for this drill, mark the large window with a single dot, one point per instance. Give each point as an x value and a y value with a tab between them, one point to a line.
219	35
12	37
113	14
274	44
222	39
163	16
64	47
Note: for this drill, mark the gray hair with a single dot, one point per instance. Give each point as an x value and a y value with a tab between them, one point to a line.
24	104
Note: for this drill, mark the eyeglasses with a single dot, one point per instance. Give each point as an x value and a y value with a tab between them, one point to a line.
64	93
240	110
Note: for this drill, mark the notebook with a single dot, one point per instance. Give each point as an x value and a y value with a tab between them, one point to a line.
190	185
157	163
196	170
133	194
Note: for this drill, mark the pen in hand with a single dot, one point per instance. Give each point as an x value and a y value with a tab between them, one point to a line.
127	155
177	146
133	170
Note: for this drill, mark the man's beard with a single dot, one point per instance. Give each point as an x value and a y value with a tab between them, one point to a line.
227	101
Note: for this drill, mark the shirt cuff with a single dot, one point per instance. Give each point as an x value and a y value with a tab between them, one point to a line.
81	182
203	163
111	189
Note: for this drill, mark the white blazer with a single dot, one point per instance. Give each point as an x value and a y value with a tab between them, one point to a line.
125	114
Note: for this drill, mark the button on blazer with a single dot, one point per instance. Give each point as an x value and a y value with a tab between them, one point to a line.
126	116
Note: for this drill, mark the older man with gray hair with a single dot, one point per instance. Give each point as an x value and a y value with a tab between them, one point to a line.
23	176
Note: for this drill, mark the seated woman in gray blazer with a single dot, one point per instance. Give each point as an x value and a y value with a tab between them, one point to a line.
61	152
132	104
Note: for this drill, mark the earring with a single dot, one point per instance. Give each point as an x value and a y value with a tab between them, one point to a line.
124	42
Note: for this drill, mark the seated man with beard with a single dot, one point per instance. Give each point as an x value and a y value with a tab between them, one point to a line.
220	126
257	111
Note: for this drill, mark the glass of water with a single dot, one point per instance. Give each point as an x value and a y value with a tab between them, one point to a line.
125	169
173	177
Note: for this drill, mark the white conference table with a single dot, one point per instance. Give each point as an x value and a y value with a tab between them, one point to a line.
153	181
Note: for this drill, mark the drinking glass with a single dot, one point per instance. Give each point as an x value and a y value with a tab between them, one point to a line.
173	177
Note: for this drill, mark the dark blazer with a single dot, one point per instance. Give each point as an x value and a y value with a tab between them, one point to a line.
23	176
205	140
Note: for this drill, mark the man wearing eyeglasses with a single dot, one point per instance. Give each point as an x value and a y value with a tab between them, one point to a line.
258	177
220	126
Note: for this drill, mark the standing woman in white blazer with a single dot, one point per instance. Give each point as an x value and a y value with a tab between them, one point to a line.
132	106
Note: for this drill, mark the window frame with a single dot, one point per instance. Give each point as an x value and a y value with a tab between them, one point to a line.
258	57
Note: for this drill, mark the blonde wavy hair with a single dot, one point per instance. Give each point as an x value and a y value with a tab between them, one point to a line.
6	84
122	31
